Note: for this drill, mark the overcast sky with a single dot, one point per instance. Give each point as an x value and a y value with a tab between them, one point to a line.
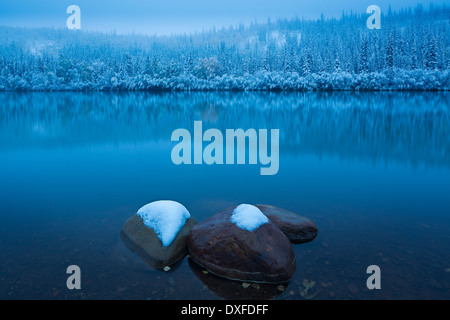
178	16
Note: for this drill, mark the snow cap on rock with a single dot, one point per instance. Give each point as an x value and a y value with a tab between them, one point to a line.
165	217
248	217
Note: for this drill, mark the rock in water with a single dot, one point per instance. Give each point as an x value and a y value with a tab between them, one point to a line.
298	229
158	233
233	290
264	254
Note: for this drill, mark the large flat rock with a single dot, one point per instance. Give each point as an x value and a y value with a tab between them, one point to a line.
297	228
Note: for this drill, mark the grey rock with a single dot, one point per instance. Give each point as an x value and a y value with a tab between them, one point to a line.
144	242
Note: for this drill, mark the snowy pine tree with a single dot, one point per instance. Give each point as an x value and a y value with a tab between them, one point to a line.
431	57
390	52
364	59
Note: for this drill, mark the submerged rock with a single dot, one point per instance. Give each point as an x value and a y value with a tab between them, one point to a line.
158	233
264	254
233	290
298	229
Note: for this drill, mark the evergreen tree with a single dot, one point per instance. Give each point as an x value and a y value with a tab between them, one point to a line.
129	69
413	55
148	66
364	60
337	65
390	52
431	58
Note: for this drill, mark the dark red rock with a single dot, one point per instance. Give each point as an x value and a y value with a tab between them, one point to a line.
144	242
298	229
263	255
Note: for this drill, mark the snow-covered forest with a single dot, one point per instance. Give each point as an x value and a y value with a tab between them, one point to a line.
410	52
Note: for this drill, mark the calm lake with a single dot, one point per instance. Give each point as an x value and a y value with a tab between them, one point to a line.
372	170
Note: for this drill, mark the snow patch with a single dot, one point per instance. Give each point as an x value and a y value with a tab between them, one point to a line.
165	217
248	217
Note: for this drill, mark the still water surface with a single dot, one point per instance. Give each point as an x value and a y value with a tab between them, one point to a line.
372	170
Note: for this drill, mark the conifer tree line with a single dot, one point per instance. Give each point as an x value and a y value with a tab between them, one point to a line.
410	52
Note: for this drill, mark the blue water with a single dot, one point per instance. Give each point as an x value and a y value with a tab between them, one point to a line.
371	169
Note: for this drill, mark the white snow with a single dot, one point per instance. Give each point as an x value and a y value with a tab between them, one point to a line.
165	217
248	217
